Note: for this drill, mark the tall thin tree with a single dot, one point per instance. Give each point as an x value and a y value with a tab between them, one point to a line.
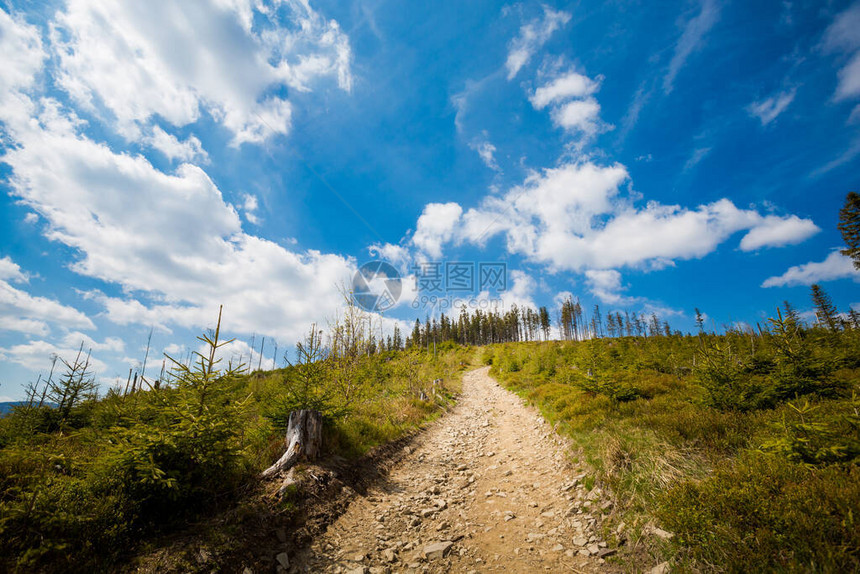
849	226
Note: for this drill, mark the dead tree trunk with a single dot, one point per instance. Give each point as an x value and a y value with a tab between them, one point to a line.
304	439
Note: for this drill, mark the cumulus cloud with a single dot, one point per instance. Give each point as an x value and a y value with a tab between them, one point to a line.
76	339
572	106
169	240
775	231
577	217
189	150
11	271
520	292
397	255
770	108
564	87
32	315
578	115
38	355
177	61
436	226
835	266
23	54
691	40
249	208
605	284
532	36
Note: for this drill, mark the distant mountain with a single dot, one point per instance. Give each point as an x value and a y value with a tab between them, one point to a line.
7	407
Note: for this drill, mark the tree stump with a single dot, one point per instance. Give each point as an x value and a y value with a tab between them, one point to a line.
304	440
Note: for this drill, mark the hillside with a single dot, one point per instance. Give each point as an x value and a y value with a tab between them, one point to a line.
730	452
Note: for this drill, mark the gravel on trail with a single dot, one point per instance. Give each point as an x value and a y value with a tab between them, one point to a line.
486	488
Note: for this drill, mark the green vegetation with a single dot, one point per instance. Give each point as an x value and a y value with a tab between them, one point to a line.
745	445
83	481
849	226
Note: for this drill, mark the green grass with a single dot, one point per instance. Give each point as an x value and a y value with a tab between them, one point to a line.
754	481
78	494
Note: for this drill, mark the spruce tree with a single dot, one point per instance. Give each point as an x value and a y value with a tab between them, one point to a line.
849	226
825	310
544	322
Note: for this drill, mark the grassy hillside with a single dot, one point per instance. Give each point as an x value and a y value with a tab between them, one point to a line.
84	483
745	446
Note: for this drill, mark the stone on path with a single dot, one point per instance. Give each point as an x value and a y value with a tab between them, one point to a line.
437	550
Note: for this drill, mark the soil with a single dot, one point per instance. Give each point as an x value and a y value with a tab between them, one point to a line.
489	487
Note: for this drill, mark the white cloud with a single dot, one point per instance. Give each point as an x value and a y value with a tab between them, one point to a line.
570	85
169	240
37	356
775	231
690	41
21	46
75	338
486	151
10	271
436	226
849	79
561	297
24	313
836	266
572	106
397	255
664	232
698	155
239	352
844	32
189	150
843	35
631	117
532	36
574	217
249	208
520	292
578	115
138	61
605	284
770	108
845	157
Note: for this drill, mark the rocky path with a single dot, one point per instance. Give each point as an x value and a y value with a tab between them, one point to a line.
485	489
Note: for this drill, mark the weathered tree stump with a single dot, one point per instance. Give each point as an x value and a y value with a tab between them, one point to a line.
304	440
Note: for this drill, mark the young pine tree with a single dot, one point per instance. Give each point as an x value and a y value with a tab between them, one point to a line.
849	226
825	310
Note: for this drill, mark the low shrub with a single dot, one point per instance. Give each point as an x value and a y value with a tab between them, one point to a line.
762	513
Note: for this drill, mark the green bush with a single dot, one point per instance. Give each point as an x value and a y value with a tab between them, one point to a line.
487	356
813	438
762	513
713	442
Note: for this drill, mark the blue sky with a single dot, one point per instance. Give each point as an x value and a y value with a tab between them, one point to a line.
161	160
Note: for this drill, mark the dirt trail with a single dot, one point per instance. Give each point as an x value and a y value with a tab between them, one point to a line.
485	489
